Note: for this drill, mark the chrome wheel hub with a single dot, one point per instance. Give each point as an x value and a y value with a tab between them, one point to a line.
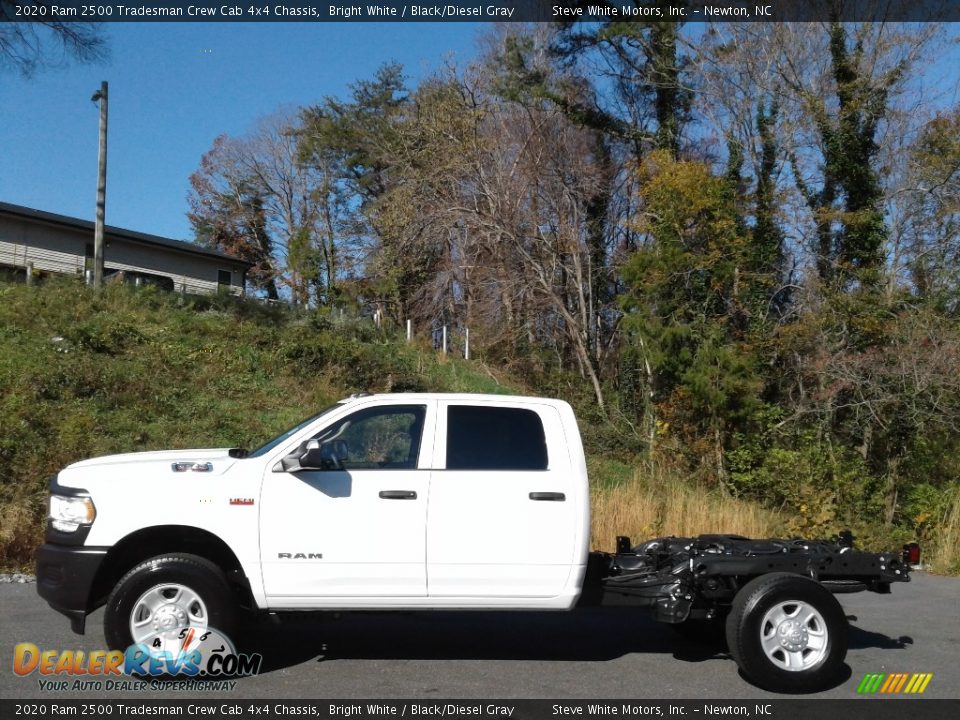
793	636
166	608
169	617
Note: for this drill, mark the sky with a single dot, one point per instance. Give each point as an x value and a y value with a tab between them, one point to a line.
173	88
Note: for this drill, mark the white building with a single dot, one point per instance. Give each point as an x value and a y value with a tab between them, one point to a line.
64	245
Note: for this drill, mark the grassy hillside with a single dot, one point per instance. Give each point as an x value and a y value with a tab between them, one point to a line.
84	375
136	370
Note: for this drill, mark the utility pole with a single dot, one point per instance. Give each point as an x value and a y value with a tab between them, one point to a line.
100	95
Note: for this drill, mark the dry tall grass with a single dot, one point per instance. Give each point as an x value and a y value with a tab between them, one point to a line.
657	504
945	551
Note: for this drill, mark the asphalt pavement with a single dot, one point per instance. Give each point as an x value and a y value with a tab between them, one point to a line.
594	653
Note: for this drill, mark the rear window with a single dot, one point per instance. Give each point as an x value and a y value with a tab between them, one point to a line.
494	438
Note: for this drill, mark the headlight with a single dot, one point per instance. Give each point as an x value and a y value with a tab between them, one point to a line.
67	513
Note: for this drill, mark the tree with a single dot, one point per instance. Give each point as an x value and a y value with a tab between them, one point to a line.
888	398
353	144
932	210
845	88
687	287
291	216
227	213
42	42
650	102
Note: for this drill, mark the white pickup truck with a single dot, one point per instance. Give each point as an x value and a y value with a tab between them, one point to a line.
422	501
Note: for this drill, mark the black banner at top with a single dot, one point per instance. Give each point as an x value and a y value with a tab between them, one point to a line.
478	11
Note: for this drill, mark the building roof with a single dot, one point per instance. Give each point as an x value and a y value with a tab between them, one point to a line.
116	233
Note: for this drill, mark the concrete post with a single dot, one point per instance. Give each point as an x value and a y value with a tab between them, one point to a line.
101	95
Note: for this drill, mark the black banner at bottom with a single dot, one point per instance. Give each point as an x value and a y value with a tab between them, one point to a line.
775	709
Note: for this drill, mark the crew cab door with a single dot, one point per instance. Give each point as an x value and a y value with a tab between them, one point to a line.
503	514
358	528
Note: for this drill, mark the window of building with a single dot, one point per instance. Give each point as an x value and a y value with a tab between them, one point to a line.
223	280
494	438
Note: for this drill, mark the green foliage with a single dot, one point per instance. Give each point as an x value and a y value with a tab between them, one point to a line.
357	361
354	134
848	207
819	380
608	473
822	489
103	335
685	300
83	375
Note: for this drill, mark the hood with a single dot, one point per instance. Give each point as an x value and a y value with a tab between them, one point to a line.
219	458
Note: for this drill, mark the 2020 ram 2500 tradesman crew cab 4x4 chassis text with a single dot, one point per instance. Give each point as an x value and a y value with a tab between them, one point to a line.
417	501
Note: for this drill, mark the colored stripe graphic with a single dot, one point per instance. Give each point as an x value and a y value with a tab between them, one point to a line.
888	682
862	687
870	683
894	683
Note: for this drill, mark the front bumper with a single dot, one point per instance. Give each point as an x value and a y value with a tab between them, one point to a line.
65	579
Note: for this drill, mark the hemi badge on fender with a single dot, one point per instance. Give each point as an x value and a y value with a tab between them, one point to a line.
241	501
195	467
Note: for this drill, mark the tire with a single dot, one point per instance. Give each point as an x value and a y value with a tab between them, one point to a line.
190	591
787	633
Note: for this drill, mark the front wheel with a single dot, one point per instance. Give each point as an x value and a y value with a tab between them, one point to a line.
164	595
787	633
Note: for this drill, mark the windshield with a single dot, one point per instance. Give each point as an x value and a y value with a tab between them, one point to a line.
264	449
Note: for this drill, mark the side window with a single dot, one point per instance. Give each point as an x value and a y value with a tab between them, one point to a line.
492	438
385	437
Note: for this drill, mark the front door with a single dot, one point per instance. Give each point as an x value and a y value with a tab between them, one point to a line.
357	529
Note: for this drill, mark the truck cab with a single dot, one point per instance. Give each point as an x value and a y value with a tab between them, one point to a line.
380	501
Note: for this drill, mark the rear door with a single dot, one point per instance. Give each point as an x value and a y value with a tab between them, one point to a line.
502	511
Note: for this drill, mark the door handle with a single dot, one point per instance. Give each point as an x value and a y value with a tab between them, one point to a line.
398	495
552	496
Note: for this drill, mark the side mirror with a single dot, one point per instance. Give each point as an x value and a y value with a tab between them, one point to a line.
315	455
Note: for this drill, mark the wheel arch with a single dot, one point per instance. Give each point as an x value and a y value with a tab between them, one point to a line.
159	539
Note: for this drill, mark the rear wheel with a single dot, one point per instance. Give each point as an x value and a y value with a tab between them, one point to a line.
787	633
164	595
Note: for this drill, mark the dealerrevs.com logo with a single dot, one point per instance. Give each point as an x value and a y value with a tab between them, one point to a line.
199	658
